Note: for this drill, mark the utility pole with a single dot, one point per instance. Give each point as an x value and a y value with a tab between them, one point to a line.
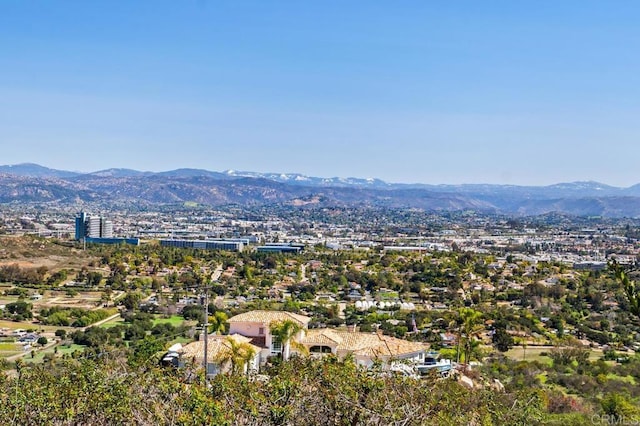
205	284
205	329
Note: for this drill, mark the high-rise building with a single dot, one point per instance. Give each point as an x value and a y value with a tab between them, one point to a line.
81	229
93	227
106	228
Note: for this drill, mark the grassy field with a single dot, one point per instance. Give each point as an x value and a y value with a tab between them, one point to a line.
84	299
534	353
26	325
32	252
182	340
8	349
67	349
62	349
112	323
530	353
175	320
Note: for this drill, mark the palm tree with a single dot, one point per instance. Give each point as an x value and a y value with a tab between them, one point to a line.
237	353
218	322
284	332
469	329
629	287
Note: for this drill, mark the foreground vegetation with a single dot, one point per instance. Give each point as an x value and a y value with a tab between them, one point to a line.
111	390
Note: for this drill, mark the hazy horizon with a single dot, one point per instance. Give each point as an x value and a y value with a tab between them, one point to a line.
411	92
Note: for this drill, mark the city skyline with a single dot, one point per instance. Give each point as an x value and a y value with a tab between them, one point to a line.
414	93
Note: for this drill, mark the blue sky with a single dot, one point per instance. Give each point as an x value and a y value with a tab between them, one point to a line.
409	91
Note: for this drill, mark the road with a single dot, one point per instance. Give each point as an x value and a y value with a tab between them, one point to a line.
303	273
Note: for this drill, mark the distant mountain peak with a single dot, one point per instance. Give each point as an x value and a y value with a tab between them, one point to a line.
583	185
118	172
35	170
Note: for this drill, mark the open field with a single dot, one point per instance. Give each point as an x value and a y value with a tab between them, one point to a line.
534	353
85	300
62	349
182	340
531	353
26	325
30	326
112	322
8	349
175	320
34	252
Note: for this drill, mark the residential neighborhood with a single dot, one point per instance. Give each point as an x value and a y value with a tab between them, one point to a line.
468	299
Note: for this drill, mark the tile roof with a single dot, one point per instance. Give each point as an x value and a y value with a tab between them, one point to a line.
268	317
217	344
323	336
372	345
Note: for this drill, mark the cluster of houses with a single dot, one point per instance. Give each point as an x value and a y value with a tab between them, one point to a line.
24	338
254	329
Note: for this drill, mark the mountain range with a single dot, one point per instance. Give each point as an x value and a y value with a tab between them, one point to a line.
34	183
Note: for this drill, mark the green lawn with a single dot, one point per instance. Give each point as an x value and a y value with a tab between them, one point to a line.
67	349
62	349
388	295
8	346
8	349
37	358
175	320
112	323
533	353
181	339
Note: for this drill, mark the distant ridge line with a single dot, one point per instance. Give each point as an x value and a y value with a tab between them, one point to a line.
36	170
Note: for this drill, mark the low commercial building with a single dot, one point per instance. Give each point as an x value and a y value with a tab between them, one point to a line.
131	241
204	244
280	248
